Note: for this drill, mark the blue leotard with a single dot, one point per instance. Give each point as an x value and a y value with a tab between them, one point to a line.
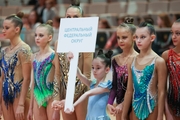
143	101
97	103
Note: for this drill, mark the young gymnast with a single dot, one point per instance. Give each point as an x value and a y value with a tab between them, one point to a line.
16	70
146	88
172	58
99	88
125	38
42	74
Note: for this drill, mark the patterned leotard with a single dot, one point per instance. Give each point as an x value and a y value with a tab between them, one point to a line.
61	79
173	64
120	76
11	65
43	80
143	101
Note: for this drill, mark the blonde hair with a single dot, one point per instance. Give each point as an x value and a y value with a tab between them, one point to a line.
49	27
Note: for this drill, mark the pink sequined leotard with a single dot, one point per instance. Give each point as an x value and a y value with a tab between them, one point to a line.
120	76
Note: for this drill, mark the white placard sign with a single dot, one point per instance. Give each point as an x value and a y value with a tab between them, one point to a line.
76	35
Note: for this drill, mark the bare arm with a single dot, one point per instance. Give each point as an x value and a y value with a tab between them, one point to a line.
1	85
95	91
87	64
56	93
57	76
32	90
128	94
165	55
30	112
84	67
162	81
83	78
25	59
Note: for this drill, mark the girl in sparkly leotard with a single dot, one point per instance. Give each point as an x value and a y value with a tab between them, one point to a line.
125	36
42	74
16	68
172	57
146	79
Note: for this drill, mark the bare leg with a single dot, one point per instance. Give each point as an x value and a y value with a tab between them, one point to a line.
8	113
168	114
26	107
39	112
154	114
68	116
131	115
81	110
134	116
49	110
118	116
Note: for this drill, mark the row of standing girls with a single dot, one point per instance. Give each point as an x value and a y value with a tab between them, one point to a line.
139	80
145	75
19	67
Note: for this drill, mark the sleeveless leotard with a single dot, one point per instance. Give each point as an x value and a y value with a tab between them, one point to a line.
43	80
143	101
173	64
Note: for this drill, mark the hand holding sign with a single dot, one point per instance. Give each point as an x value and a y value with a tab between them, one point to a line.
78	37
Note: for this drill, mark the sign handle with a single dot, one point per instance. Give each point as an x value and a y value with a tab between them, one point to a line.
71	83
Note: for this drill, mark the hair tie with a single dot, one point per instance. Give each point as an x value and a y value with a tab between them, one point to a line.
129	20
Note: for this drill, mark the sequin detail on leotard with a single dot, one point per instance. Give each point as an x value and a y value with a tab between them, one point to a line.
43	84
173	64
143	102
80	88
11	67
120	76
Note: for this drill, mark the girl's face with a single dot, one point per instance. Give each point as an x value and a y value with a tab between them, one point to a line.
175	29
143	38
99	69
73	13
9	30
42	38
124	38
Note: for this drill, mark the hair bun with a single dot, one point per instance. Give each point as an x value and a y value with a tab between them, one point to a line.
20	14
129	20
75	3
149	21
49	22
109	54
100	52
